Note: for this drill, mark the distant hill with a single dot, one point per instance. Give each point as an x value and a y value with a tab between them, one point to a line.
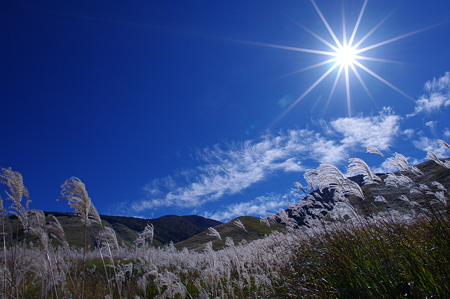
254	230
166	228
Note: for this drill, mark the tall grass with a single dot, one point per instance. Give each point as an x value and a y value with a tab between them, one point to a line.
354	245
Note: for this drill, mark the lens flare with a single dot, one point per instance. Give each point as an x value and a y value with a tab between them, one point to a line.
344	56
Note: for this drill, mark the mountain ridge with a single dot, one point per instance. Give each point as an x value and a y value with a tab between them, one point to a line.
191	231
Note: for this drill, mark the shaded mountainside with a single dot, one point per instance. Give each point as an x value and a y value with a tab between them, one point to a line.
166	228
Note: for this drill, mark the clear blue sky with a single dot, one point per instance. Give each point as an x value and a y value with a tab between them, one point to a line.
196	107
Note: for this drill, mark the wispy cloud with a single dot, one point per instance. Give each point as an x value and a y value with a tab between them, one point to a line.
431	145
260	206
437	96
446	132
227	169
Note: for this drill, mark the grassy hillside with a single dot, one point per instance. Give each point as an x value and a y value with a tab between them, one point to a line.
401	250
166	229
319	204
254	230
431	172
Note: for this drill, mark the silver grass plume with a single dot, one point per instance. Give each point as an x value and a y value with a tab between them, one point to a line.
16	191
409	201
442	143
432	156
229	242
264	221
358	166
36	220
170	285
214	233
75	192
380	198
329	176
300	186
147	233
440	195
400	162
343	210
239	224
397	181
55	230
439	186
290	223
404	198
420	189
107	237
374	150
272	217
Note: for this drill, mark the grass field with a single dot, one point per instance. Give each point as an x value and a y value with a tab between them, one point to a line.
369	245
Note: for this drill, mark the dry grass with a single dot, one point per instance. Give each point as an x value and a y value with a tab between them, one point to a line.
376	253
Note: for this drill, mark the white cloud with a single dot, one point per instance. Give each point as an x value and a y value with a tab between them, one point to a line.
377	131
437	95
227	170
260	206
385	167
231	168
431	124
430	145
409	133
446	132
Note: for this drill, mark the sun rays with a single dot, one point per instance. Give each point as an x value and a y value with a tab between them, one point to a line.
345	56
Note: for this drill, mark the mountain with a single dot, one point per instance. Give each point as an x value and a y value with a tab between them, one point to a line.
254	230
166	228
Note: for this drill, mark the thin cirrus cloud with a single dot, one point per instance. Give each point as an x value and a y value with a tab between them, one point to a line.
231	168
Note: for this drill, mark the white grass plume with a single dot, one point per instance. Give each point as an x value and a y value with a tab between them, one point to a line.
56	231
239	224
358	166
16	192
374	150
400	162
107	237
442	143
75	192
264	221
432	156
214	233
147	233
329	176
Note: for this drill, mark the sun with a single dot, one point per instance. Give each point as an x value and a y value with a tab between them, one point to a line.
345	56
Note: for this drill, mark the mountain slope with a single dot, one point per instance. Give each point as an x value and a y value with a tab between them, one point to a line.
254	230
166	229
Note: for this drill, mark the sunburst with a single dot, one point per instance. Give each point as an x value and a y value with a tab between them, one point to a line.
345	56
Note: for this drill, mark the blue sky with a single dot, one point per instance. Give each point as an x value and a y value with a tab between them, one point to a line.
206	107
